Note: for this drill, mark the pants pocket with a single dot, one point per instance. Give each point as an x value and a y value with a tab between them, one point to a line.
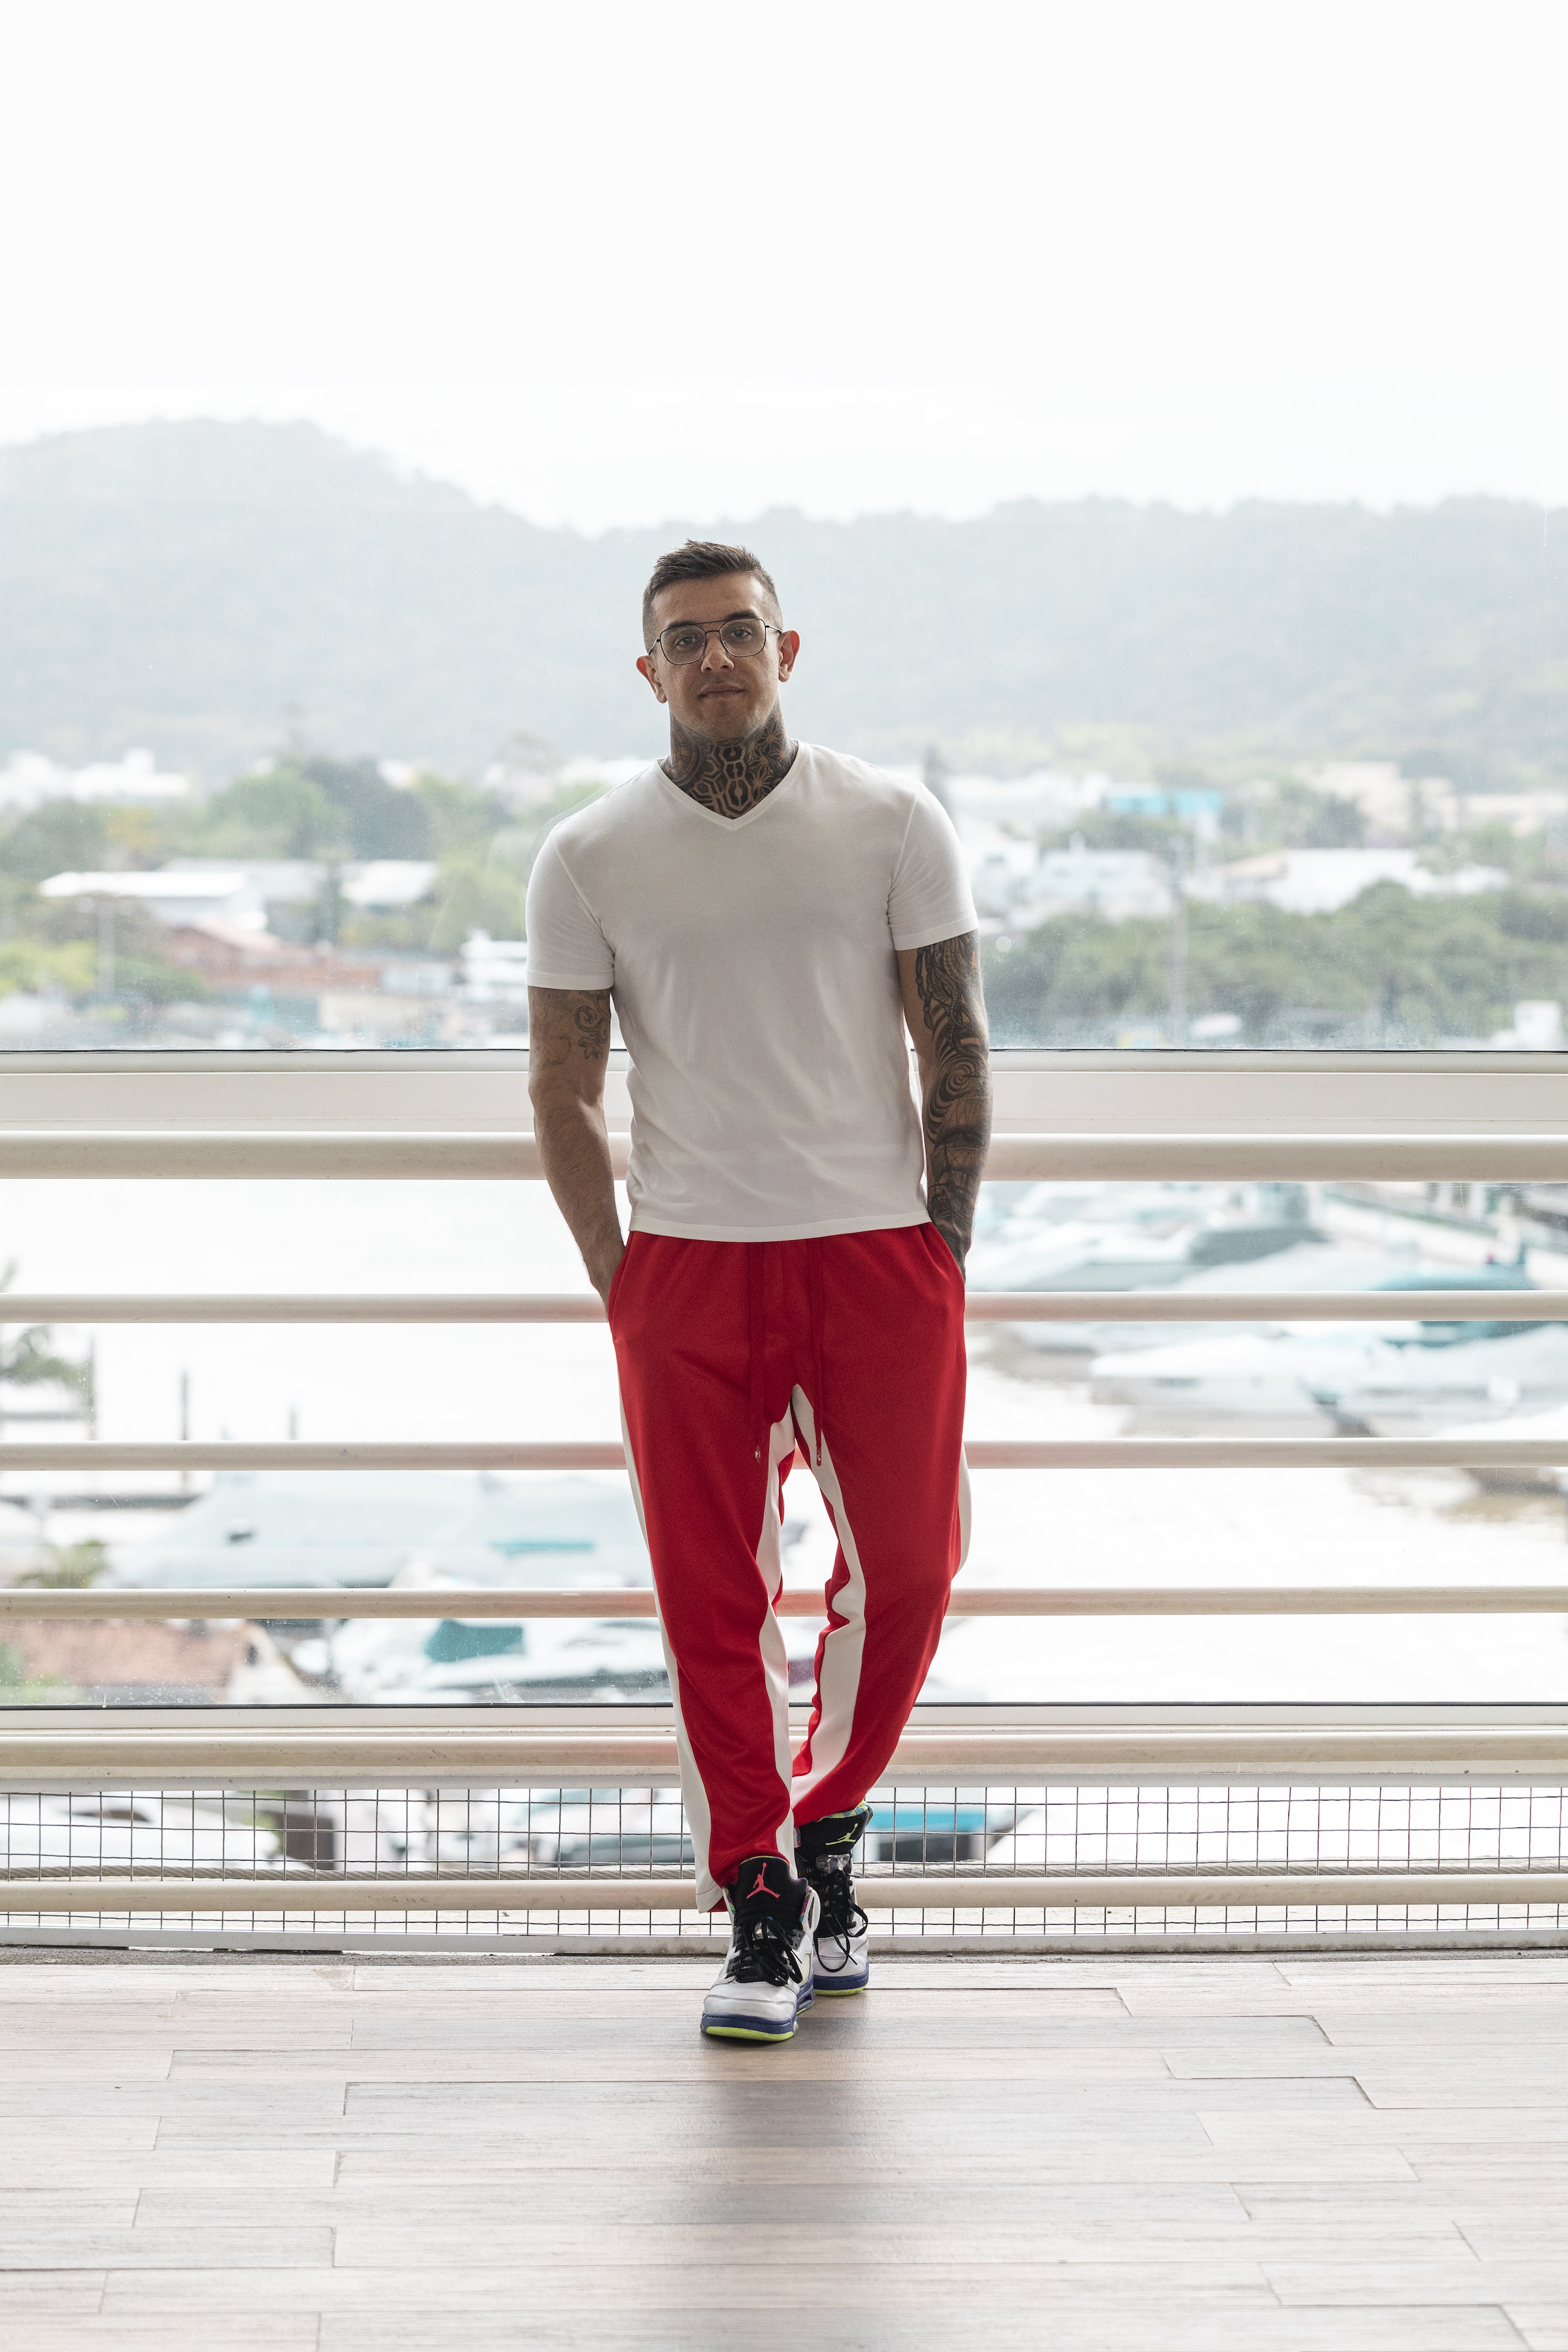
614	1292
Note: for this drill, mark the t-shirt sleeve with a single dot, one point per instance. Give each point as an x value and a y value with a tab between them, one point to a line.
930	898
566	948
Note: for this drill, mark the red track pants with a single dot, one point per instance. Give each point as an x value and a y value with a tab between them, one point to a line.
730	1352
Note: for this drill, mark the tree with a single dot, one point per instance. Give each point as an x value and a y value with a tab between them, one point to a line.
381	820
280	814
60	837
62	952
27	967
1390	969
68	1567
463	820
473	897
31	1360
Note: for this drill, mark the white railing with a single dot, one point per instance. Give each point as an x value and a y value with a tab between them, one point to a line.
326	1747
465	1156
981	1307
1143	1890
982	1453
510	1603
508	1749
1475	1451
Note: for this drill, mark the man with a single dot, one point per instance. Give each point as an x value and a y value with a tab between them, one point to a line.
760	913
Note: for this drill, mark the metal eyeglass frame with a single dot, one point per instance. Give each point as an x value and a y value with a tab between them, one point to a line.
717	630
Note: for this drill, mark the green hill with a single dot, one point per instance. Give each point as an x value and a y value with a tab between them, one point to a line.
206	588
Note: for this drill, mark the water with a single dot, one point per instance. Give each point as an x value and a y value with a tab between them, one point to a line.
557	1381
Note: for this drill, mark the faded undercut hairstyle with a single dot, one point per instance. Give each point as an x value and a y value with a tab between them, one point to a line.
700	559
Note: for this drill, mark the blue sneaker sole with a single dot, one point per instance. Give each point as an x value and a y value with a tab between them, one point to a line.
833	1987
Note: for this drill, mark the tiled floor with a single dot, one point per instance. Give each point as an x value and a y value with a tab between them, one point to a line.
1357	2155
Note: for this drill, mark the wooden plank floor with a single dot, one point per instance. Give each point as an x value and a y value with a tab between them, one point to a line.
1219	2155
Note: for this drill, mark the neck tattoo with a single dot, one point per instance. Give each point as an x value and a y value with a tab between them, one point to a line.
730	778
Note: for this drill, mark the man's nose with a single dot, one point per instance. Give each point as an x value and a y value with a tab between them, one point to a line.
713	654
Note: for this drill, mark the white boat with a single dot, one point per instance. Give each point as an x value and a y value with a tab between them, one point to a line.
1307	1266
1552	1425
476	1830
256	1529
379	1661
410	1660
1354	1374
1128	1237
116	1829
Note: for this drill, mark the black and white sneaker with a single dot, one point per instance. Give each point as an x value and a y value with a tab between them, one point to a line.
842	1961
767	1979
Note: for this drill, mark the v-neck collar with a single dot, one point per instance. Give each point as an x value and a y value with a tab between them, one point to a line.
733	824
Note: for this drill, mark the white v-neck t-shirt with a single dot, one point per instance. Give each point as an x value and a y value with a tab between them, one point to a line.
752	964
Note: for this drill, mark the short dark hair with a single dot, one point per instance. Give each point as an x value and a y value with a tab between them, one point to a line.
700	559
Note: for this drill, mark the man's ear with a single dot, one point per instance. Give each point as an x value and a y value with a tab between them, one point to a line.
789	646
644	663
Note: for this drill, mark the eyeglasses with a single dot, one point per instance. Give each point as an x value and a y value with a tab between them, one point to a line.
685	642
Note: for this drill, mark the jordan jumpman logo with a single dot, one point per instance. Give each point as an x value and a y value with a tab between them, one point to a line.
762	1886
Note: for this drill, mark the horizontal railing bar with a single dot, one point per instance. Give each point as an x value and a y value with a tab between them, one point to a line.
1487	1155
1167	1891
115	1605
984	1453
104	1751
1260	1306
97	1453
305	1307
981	1307
313	1154
1484	1155
1265	1453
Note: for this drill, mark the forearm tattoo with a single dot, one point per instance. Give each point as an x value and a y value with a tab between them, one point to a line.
958	1100
568	1022
730	778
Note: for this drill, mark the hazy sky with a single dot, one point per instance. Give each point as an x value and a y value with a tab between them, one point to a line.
615	263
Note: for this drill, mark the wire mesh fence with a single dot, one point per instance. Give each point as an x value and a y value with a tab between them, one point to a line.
526	1837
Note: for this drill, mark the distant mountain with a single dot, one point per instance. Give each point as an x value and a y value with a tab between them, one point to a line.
203	588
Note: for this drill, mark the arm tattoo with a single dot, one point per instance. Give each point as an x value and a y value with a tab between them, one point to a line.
958	1099
591	1021
730	778
564	1022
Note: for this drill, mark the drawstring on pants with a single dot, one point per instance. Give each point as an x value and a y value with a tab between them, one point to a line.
755	1338
813	1284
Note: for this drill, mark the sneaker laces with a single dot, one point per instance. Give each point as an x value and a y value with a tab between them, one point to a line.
841	1915
763	1953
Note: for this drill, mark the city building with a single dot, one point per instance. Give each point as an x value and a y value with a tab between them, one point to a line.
387	885
1319	881
1117	884
494	972
1396	808
28	779
173	896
